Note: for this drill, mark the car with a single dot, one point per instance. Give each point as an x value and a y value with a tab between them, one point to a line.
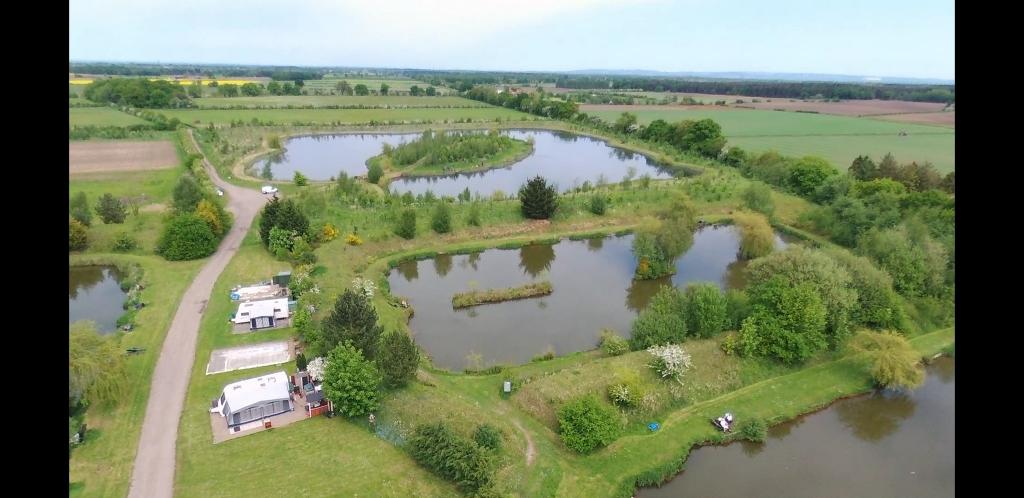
269	189
220	191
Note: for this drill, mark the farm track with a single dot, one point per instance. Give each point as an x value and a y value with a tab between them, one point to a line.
153	471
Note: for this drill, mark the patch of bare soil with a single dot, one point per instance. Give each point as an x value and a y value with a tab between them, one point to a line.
90	157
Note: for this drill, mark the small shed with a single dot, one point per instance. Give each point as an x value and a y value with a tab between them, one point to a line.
283	278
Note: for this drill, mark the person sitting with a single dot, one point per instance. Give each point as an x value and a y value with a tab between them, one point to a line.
728	417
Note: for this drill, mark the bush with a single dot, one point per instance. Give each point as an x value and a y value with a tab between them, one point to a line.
737	308
664	321
449	455
756	236
474	214
730	344
300	362
329	232
586	424
187	194
758	197
186	237
755	430
283	214
398	358
124	242
671	361
626	391
406	227
374	173
78	237
488	436
300	179
353	319
274	142
706	309
538	199
351	381
892	361
788	322
211	215
441	221
281	240
111	209
353	240
79	207
613	344
598	204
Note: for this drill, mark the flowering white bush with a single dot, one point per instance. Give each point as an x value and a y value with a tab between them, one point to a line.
670	360
366	286
316	368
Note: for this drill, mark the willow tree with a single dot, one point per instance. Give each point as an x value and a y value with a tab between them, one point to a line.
756	236
892	361
660	242
96	366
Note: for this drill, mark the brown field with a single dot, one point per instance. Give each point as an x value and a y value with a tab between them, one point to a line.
644	107
946	118
91	157
849	107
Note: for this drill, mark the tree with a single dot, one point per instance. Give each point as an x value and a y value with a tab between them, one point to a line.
538	199
209	213
431	91
384	88
344	88
351	382
274	88
758	198
284	214
625	123
252	89
756	236
474	214
662	322
831	283
441	221
317	368
487	436
300	179
878	306
787	323
227	90
78	238
398	358
705	309
808	173
187	194
124	242
657	244
111	209
406	226
415	91
888	167
374	173
79	207
598	204
354	320
917	266
863	168
96	366
892	361
949	183
186	236
735	157
361	90
438	448
586	424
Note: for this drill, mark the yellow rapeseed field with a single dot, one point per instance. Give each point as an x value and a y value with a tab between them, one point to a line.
86	81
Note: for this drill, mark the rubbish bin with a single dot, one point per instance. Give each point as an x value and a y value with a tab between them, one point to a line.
266	424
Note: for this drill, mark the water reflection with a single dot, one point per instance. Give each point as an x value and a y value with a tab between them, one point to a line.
443	264
876	416
94	294
595	244
536	258
410	270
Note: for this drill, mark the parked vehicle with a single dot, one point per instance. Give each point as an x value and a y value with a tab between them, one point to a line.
269	189
220	191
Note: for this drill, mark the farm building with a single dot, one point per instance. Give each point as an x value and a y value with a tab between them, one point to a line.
262	314
254	399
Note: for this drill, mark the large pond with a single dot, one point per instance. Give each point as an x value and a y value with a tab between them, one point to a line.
320	157
566	159
94	293
593	289
882	444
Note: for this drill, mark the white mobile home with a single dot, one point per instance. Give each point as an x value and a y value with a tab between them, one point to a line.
254	399
262	314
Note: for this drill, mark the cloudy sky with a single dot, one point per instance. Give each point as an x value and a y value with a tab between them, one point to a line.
909	38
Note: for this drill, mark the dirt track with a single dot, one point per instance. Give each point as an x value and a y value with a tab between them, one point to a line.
91	157
153	472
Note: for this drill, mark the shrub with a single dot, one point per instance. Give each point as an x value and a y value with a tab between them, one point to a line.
585	424
78	237
406	227
441	221
398	358
353	319
351	381
538	199
374	173
187	194
626	391
329	232
892	361
598	204
613	344
664	321
755	430
185	237
281	240
300	361
300	179
449	455
730	344
758	197
756	236
671	361
111	209
737	308
79	207
274	142
787	324
353	240
706	309
209	213
124	242
474	214
488	436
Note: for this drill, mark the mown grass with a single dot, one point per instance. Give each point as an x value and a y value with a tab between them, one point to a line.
289	116
331	83
382	101
102	466
839	139
478	297
101	116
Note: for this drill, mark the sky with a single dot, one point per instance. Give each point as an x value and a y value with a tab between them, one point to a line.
883	38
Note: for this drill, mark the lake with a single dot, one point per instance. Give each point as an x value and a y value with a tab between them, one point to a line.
94	293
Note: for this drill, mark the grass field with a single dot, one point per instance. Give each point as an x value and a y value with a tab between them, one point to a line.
288	116
402	85
101	116
337	100
837	138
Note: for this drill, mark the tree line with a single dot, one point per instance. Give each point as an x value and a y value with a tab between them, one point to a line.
138	92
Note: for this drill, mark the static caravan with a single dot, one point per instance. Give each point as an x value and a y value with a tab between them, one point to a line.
255	399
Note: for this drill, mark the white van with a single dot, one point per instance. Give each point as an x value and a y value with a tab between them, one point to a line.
269	189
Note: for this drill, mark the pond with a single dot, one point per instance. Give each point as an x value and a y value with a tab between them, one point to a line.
320	157
594	274
881	444
566	159
94	293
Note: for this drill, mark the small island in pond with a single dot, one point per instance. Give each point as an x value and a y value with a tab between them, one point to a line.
442	153
474	298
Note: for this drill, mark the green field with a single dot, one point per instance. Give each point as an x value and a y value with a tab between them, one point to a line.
837	138
288	116
336	100
401	85
101	116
